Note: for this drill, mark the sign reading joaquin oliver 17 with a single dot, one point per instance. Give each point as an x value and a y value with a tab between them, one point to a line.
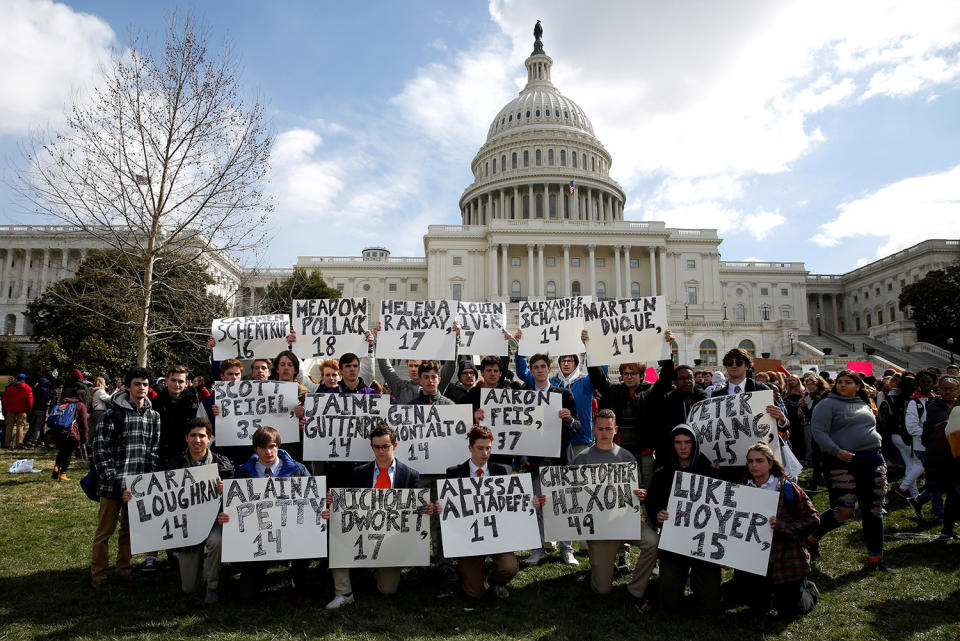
432	437
626	330
172	509
337	426
552	326
720	522
421	329
524	422
378	527
727	426
590	502
481	328
330	327
246	406
249	337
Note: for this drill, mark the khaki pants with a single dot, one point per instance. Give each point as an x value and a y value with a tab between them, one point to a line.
604	553
16	428
472	572
388	580
111	511
197	567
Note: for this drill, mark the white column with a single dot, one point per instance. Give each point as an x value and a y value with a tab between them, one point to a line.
575	203
502	215
616	268
562	202
662	255
626	269
601	210
492	258
530	281
504	271
516	203
542	288
43	272
653	271
532	205
546	201
489	215
566	270
592	290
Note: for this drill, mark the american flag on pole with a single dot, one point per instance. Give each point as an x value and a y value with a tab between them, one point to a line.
571	188
141	180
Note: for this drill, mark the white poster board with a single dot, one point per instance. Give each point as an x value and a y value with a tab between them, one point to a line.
248	337
625	330
274	518
431	437
481	328
728	426
379	528
588	502
172	509
487	515
330	327
246	406
418	329
523	422
552	326
338	425
720	522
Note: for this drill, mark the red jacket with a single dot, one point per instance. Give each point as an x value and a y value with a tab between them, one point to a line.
18	398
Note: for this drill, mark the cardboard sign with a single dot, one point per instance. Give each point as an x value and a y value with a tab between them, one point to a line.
720	522
421	329
246	406
274	518
379	528
338	425
952	431
767	364
727	426
523	422
330	327
861	367
481	328
591	502
552	326
625	330
487	515
248	337
432	437
172	509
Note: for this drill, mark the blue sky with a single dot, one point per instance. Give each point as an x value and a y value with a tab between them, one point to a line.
802	131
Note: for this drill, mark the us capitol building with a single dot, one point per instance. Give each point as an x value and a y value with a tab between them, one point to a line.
544	219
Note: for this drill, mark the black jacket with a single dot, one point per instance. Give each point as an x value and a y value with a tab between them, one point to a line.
174	414
660	485
672	411
462	471
404	477
749	385
182	460
636	429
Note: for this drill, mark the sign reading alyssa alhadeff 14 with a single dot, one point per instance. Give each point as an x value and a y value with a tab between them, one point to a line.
337	426
431	437
552	326
379	528
172	509
728	426
523	422
487	515
625	330
481	328
248	337
246	406
418	329
591	502
720	522
274	518
330	327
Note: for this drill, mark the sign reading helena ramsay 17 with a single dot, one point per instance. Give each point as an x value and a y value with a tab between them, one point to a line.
419	329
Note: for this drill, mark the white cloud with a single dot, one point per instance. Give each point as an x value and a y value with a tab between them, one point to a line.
760	224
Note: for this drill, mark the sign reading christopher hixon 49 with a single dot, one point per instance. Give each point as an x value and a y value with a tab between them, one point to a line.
338	426
523	422
552	326
590	502
418	329
330	327
379	528
246	406
625	330
727	426
249	337
481	328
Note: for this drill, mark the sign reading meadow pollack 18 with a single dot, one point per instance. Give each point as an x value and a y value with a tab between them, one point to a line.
432	437
338	426
249	337
524	422
481	328
552	326
419	329
330	327
625	330
246	406
720	522
727	426
379	528
487	515
172	509
590	502
274	518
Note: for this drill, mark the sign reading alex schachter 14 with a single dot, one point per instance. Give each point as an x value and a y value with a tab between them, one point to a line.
421	329
552	326
246	406
330	327
591	502
379	528
625	330
247	337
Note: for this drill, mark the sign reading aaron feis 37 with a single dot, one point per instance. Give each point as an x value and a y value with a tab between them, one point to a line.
727	426
523	422
418	329
626	330
246	406
552	326
247	337
330	327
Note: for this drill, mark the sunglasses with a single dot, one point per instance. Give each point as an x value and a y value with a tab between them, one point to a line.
732	362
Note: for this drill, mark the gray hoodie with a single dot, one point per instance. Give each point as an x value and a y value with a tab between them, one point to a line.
844	423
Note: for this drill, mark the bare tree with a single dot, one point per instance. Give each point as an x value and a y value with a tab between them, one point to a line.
164	157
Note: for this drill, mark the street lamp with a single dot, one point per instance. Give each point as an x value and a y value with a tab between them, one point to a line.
724	311
818	325
791	337
686	311
950	347
766	311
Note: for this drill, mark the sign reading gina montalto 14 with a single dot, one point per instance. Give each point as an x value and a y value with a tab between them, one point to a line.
481	328
337	426
379	528
246	406
552	326
625	330
419	329
247	337
591	502
523	422
727	426
432	437
330	327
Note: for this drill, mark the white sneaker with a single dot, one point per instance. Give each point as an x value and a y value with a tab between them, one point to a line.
339	601
566	556
501	591
535	557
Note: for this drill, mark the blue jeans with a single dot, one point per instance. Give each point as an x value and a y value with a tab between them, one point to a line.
935	498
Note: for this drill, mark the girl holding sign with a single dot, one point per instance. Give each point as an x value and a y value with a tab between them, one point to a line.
286	367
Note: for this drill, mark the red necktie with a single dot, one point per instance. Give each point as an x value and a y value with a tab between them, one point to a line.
479	471
383	478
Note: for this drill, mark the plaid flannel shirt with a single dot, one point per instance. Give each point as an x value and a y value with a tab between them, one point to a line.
134	452
789	558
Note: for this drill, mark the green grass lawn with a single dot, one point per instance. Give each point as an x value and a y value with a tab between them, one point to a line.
46	529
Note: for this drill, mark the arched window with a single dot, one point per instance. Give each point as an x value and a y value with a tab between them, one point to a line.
575	288
740	312
601	290
514	164
526	206
584	160
593	163
10	324
573	157
892	313
550	156
708	352
539	204
553	206
526	158
634	290
563	157
494	165
486	168
539	160
551	289
747	344
674	351
503	162
515	291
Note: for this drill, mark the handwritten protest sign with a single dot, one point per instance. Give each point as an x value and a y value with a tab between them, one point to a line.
249	337
432	437
246	406
330	327
552	326
720	522
487	515
727	426
379	528
523	422
338	426
862	367
481	328
172	509
625	330
421	329
590	502
274	518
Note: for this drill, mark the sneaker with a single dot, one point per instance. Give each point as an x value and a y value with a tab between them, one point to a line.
879	566
340	600
63	477
535	557
211	596
55	473
501	591
902	492
917	506
567	558
150	564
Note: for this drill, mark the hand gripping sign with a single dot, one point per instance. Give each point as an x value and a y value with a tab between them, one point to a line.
628	330
330	327
248	337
